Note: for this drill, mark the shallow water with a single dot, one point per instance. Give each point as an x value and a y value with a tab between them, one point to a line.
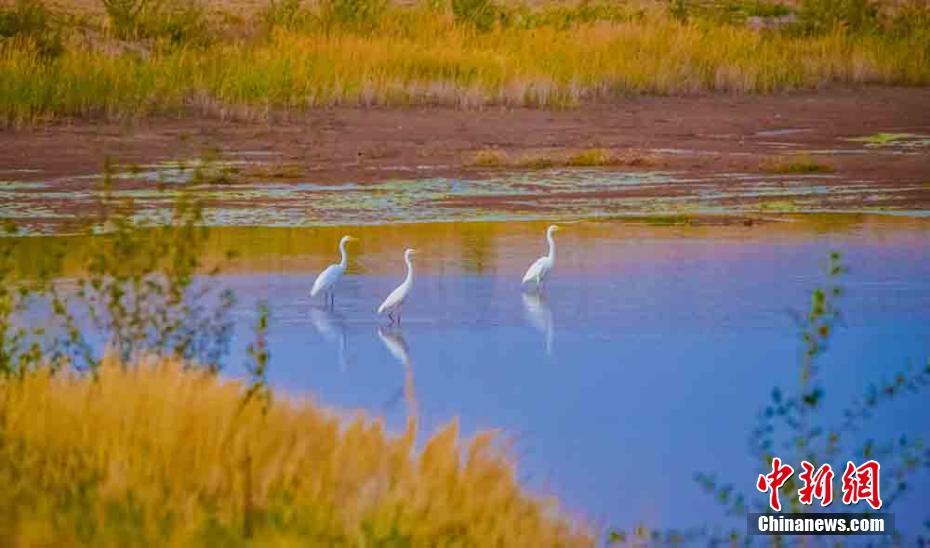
644	362
56	206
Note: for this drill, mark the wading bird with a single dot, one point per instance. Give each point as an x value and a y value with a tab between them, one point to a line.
537	272
327	280
391	305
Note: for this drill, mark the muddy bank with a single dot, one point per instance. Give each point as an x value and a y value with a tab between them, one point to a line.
740	149
716	132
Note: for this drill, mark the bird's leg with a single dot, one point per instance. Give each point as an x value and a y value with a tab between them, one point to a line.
398	317
391	317
332	300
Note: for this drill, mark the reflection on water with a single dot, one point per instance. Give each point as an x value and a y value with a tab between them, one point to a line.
539	314
393	340
330	324
58	206
669	341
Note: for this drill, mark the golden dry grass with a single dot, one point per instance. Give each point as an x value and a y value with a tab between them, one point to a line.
415	55
159	454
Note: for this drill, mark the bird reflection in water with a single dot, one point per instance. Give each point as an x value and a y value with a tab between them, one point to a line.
394	341
331	326
539	315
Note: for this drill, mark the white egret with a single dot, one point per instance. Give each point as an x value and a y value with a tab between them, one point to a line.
327	280
395	300
538	271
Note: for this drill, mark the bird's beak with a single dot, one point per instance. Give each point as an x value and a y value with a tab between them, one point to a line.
353	239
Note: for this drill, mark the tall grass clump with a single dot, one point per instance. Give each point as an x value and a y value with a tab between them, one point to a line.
284	13
795	164
29	25
819	16
159	454
125	15
353	15
172	22
481	14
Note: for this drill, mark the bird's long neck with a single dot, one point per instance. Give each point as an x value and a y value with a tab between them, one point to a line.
551	245
342	251
409	279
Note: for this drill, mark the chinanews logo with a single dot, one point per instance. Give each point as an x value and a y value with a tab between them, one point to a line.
858	483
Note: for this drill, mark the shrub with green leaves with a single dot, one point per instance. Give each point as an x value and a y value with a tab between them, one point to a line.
125	15
168	21
354	14
911	18
21	346
480	14
143	290
678	9
821	16
284	13
31	21
140	289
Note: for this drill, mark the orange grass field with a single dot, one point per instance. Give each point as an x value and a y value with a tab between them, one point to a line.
161	454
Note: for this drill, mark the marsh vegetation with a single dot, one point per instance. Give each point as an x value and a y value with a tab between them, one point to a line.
115	427
137	58
120	430
591	157
797	163
155	452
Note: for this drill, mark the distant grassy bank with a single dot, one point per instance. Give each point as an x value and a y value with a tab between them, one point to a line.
161	455
182	59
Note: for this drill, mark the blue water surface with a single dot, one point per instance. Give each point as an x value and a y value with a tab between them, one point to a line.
644	361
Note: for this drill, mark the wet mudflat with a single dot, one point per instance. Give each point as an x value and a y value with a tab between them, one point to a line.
834	150
577	193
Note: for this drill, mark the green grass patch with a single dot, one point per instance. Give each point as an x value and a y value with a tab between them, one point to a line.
893	139
797	164
592	157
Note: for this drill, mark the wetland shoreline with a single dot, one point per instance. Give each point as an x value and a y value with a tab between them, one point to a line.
741	158
708	133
